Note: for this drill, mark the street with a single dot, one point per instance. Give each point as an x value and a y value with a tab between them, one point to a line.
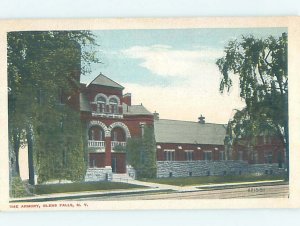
270	191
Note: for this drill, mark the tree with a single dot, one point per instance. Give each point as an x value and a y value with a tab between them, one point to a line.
40	65
141	154
261	66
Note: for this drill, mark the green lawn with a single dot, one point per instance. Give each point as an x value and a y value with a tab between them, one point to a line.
189	181
79	187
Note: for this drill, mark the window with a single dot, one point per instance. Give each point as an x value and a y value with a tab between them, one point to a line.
189	155
268	157
92	135
255	159
101	104
207	155
115	136
169	155
240	155
269	140
113	106
101	135
222	155
264	139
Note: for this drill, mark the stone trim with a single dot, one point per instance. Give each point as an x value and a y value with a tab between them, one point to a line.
101	95
172	150
115	97
121	125
100	124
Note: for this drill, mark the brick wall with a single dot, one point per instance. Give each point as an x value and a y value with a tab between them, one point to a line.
180	151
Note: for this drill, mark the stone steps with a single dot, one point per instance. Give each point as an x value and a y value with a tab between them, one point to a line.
124	177
98	174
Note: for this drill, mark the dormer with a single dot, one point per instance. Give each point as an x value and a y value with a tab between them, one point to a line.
105	97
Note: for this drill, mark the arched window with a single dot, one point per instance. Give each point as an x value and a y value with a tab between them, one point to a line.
101	101
113	103
96	133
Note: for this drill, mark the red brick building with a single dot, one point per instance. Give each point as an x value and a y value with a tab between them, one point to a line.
111	120
189	141
183	148
266	150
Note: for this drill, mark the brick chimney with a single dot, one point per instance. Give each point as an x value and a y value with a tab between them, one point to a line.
127	99
201	119
156	115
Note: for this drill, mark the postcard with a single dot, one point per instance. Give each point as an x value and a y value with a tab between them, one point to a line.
150	113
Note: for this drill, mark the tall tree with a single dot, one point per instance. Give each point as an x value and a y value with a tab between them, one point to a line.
261	66
40	65
141	153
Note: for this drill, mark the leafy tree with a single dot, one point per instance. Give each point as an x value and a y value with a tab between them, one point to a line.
60	145
261	66
40	66
141	154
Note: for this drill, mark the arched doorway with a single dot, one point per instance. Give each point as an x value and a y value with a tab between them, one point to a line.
96	133
119	133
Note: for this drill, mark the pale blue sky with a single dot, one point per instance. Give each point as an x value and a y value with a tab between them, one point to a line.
158	66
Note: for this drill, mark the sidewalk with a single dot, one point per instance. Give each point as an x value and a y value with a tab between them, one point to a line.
199	187
152	188
86	194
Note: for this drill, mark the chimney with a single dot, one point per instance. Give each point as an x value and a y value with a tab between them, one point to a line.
156	115
201	119
127	99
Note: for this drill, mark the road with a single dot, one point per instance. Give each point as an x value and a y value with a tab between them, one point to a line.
270	191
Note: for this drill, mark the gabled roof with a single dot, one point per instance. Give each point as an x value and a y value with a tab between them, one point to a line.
105	81
135	110
174	131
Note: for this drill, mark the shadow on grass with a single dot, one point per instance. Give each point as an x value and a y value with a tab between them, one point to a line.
80	187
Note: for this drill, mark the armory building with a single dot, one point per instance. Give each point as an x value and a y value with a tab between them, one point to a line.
183	148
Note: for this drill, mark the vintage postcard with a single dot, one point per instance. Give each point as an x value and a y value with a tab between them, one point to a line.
174	113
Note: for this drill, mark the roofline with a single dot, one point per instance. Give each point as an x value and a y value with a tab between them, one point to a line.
159	142
139	114
122	87
191	121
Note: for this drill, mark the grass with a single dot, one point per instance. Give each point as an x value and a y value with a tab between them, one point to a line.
80	187
190	181
17	188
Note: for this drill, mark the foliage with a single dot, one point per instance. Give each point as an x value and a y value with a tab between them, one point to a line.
141	154
41	64
261	66
17	188
119	148
59	147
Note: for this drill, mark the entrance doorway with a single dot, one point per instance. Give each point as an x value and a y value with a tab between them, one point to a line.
114	165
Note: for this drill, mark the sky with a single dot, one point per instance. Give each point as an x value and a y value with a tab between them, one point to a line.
173	71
